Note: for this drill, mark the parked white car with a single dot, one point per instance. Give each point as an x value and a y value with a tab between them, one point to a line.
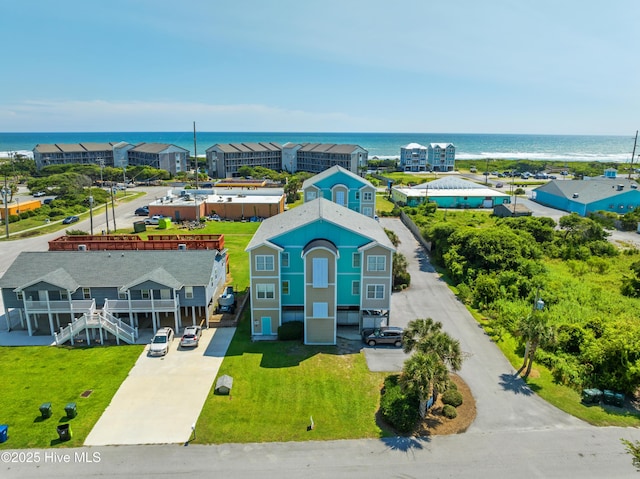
161	342
154	220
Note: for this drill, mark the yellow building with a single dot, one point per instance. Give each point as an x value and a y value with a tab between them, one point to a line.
17	206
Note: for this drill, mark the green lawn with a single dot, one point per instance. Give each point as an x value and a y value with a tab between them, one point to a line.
36	374
236	237
279	386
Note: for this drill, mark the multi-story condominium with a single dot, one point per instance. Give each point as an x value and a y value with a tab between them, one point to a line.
224	160
317	157
441	156
343	187
84	153
163	156
413	157
120	155
322	264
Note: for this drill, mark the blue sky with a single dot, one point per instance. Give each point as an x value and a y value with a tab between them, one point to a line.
464	66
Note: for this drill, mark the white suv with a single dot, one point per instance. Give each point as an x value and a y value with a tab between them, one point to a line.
161	342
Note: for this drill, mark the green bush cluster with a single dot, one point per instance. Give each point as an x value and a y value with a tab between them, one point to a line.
398	409
449	411
452	397
290	331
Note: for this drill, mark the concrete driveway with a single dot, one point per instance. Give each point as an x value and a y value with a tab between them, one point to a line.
162	396
503	400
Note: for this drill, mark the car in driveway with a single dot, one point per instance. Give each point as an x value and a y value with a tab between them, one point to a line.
161	342
70	219
191	337
384	335
142	211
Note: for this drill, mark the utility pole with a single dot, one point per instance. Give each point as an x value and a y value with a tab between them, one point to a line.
5	191
633	155
195	154
106	204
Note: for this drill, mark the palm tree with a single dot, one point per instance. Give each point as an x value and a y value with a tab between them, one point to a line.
422	374
426	336
533	329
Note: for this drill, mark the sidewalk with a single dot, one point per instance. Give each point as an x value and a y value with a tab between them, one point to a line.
162	397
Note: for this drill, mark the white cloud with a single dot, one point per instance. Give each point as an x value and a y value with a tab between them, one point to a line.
100	115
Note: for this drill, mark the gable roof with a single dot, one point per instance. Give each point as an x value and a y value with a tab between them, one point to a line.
588	191
154	148
332	171
319	209
72	269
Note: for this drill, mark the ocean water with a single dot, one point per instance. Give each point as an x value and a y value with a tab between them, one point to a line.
616	149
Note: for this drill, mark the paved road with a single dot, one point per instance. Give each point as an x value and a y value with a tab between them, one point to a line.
503	400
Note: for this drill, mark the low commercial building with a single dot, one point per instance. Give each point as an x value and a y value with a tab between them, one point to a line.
17	206
586	196
449	192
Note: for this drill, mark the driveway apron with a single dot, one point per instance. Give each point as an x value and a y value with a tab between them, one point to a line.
162	397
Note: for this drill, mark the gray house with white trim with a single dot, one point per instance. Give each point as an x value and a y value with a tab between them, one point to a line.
113	291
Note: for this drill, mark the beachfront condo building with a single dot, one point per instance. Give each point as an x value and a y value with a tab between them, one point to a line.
413	157
224	160
167	157
441	156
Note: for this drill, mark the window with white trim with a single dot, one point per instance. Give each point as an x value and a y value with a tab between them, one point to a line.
355	260
376	263
145	293
357	195
367	211
264	262
285	288
122	295
265	291
188	292
375	291
311	195
340	198
355	288
86	293
285	259
367	196
20	295
320	310
320	272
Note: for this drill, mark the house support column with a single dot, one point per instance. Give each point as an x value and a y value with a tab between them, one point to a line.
193	314
7	318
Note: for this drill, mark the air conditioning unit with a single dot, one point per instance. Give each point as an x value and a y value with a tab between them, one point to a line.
82	247
182	246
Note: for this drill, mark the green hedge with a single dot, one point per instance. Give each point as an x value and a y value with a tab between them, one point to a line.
397	408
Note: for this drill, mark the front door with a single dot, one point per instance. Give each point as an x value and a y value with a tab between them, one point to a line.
266	325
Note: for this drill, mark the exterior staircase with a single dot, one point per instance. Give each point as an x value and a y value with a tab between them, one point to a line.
102	320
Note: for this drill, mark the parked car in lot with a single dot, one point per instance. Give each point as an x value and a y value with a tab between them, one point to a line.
384	335
70	219
191	337
38	194
142	211
154	220
161	342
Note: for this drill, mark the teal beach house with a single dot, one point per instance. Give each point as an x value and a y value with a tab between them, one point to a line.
322	264
344	188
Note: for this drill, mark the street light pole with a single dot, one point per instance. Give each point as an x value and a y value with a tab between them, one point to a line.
106	204
6	207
